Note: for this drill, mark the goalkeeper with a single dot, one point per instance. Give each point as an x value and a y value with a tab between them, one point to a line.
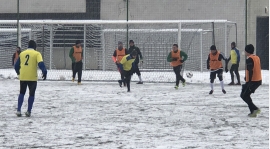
126	67
136	69
175	57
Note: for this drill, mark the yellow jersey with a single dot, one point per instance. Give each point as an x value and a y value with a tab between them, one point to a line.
127	61
29	60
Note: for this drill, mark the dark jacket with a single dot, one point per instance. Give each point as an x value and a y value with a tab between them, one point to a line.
131	48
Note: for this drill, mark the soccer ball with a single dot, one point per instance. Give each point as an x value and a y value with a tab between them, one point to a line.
62	78
189	74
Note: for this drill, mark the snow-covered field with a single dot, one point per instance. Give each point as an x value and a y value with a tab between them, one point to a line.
153	115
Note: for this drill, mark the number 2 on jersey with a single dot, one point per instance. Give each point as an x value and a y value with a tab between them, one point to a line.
27	58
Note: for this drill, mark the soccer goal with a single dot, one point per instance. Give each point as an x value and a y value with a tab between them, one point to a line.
100	37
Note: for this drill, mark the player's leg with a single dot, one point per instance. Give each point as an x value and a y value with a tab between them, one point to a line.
232	75
220	77
137	71
181	78
123	79
73	71
32	85
128	78
247	90
79	67
237	74
23	87
212	78
177	74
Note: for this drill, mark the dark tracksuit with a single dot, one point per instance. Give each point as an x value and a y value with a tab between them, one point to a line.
235	64
76	66
137	60
177	69
250	86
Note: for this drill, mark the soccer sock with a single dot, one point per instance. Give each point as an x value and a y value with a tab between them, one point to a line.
20	102
222	84
212	86
30	103
140	78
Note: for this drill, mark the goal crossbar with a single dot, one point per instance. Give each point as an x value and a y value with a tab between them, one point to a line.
110	21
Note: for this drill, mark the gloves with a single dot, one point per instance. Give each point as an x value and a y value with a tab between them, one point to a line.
44	76
182	61
174	59
18	76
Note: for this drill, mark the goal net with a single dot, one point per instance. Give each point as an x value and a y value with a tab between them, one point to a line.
100	37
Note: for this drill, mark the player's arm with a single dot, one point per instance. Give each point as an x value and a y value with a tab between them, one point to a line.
114	56
13	57
41	66
139	53
250	66
222	56
126	51
169	57
71	54
183	54
82	54
228	59
208	62
17	66
238	56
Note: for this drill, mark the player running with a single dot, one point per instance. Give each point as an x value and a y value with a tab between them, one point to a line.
126	67
175	57
118	54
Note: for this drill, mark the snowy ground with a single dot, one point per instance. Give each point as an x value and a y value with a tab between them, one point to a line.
153	115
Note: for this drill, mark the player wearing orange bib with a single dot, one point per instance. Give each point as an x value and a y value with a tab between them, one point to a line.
253	79
215	65
118	54
76	56
176	58
26	67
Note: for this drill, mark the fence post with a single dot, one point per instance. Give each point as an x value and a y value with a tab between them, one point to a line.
84	45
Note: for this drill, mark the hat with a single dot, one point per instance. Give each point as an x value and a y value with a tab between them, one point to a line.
32	44
133	53
77	42
249	49
131	41
120	42
213	47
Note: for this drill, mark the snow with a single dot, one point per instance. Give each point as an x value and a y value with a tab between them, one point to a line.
147	76
102	115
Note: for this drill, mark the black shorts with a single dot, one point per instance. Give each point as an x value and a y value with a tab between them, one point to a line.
32	85
215	74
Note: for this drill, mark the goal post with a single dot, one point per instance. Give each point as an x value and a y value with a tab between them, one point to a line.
100	37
